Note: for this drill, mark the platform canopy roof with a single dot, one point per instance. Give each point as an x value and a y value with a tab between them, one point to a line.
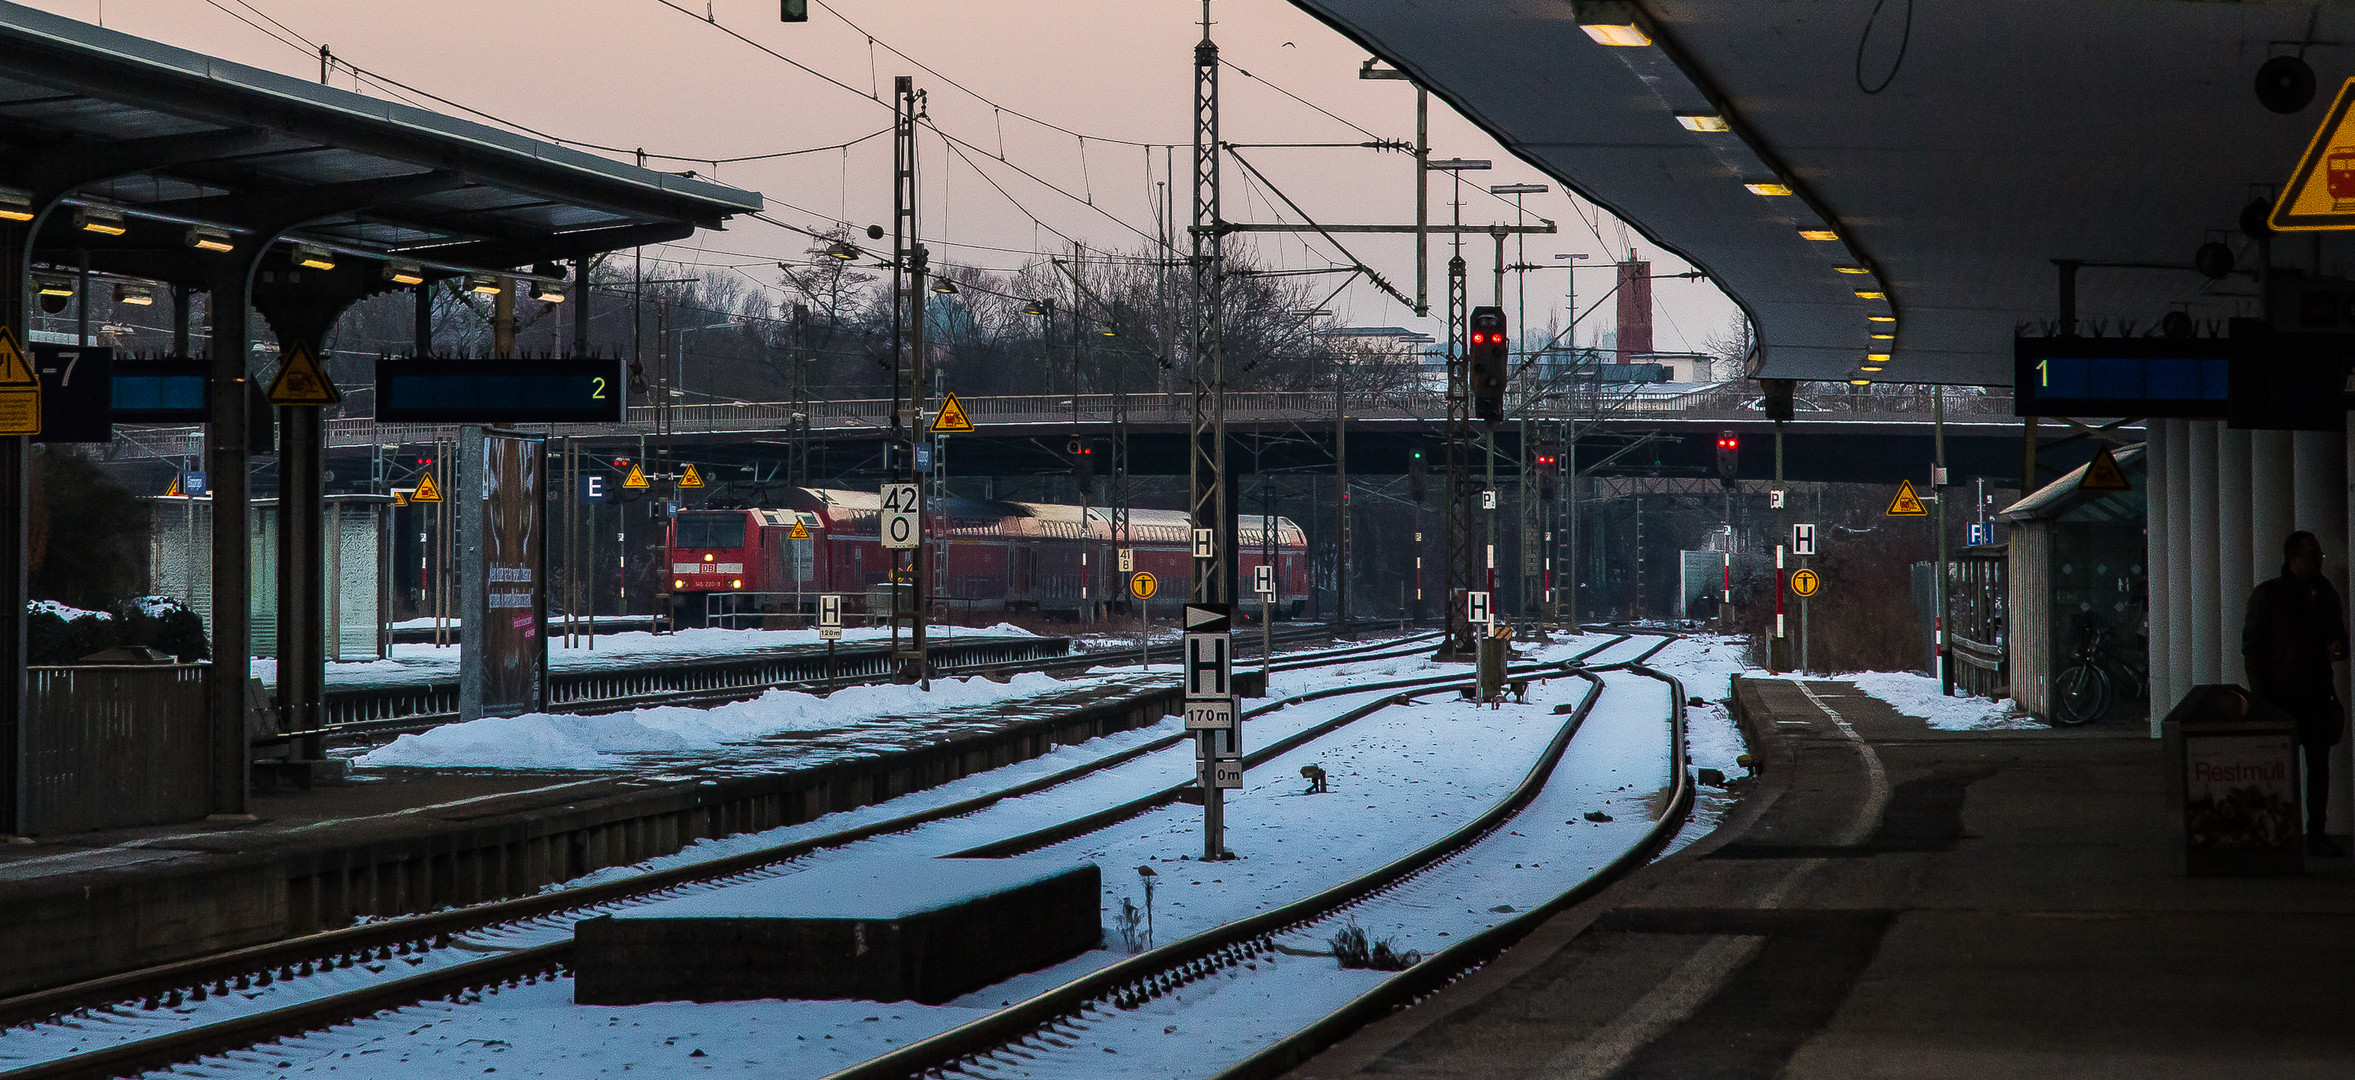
171	139
2009	134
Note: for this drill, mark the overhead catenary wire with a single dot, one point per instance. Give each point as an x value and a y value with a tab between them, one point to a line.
282	33
1328	113
873	42
1371	275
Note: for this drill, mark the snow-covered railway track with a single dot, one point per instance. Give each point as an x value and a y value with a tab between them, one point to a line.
1255	996
159	1017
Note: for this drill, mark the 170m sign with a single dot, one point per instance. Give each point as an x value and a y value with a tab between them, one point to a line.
1214	715
902	506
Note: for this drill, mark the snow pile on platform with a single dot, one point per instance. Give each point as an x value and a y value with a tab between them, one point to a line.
550	741
417	661
1917	696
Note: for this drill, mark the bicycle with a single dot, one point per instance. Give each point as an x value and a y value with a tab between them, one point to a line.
2087	687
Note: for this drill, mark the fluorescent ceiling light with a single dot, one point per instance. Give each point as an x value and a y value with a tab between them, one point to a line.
204	238
1871	294
102	222
313	257
1852	269
1703	122
1880	318
1610	22
1876	358
52	285
134	295
404	273
1768	189
15	206
1818	234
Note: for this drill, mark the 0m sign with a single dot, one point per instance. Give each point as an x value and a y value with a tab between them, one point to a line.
902	506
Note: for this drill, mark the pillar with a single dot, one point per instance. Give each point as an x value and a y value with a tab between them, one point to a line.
302	579
226	461
2179	556
2200	581
2319	463
2234	576
580	307
2158	536
2271	491
15	504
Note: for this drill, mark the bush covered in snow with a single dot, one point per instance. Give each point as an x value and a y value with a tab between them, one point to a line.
57	633
164	623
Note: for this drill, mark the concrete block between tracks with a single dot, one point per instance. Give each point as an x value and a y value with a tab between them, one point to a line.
927	930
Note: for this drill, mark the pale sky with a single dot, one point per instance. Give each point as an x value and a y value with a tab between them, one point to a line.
653	74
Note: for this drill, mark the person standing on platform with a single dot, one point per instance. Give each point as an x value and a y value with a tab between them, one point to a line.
2296	628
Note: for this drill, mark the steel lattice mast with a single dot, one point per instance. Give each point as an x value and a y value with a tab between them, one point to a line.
1208	456
1213	580
1461	554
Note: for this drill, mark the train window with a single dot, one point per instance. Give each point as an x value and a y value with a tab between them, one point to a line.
723	530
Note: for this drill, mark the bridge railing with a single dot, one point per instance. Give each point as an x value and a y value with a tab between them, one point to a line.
1731	402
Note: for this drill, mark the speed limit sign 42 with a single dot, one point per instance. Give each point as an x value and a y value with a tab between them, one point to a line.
901	526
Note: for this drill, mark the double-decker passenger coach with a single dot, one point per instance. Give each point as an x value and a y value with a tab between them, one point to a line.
988	557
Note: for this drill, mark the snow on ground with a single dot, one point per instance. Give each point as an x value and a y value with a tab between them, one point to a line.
614	740
1706	665
423	662
1400	779
1917	696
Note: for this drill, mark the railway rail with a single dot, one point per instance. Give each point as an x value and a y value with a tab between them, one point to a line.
384	948
1020	1039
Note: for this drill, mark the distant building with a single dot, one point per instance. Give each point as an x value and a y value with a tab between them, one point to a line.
1686	367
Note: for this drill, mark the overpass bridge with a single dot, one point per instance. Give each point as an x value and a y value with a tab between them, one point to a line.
1862	438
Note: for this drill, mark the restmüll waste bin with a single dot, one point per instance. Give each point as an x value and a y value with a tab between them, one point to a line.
2235	792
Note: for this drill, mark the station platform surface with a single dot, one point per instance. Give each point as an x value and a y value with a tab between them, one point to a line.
374	804
1893	901
400	841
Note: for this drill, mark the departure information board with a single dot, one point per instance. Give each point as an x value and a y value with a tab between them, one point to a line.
479	391
2189	377
162	390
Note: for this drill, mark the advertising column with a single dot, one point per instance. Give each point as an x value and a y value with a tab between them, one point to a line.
503	596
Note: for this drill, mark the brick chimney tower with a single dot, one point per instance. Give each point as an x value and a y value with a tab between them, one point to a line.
1635	308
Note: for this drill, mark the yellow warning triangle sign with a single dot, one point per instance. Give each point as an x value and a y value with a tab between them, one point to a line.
20	389
301	381
400	497
173	492
690	478
427	490
2103	474
2321	192
1907	504
800	532
951	418
636	478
